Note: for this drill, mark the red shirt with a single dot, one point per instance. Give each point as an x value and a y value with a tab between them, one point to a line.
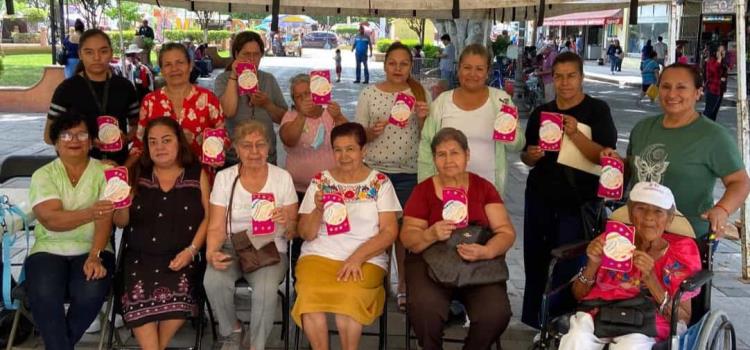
713	76
424	203
201	109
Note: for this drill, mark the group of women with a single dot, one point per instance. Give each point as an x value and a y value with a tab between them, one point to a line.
389	178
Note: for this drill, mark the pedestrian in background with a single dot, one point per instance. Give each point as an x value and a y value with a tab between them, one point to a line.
361	43
448	61
70	48
661	50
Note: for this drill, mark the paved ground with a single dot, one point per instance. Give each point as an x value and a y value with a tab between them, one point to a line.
22	135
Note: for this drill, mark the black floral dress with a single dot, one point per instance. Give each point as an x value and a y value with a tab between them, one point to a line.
162	224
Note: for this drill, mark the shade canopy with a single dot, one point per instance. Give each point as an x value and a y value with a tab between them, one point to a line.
590	18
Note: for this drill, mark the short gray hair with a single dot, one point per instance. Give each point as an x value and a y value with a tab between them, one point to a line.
247	127
449	134
297	79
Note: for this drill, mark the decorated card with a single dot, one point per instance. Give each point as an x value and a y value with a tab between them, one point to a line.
401	110
320	86
612	179
505	124
213	147
262	209
334	214
550	131
247	78
109	134
117	189
455	206
618	246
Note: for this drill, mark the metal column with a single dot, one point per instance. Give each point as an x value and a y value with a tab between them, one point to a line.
743	131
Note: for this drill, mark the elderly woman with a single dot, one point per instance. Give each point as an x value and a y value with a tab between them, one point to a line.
341	270
487	305
393	149
267	105
164	228
306	134
195	108
555	192
662	259
71	258
687	153
471	108
231	212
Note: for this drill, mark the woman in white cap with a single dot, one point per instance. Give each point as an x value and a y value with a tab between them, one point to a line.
663	255
138	74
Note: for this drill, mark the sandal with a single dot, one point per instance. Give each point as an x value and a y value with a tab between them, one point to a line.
401	301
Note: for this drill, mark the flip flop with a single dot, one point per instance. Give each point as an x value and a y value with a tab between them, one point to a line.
401	301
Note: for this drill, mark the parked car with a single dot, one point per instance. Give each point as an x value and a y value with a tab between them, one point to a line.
320	40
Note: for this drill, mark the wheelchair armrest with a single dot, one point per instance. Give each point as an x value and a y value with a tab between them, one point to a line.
570	251
696	281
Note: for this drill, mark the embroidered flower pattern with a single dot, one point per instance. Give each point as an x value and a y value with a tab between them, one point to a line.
356	192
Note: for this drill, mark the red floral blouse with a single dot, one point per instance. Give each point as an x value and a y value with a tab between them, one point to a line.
201	109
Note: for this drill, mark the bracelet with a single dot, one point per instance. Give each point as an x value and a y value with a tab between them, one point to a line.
192	249
717	205
583	279
230	78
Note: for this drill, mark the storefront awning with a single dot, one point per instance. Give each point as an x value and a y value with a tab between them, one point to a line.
592	18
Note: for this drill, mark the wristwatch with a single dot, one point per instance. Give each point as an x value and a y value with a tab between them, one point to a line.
97	255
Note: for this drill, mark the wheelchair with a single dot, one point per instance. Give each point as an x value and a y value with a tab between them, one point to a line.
709	330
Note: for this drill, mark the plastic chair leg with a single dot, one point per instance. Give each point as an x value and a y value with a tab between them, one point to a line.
14	329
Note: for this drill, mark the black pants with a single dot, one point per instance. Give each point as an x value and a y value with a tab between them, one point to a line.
546	228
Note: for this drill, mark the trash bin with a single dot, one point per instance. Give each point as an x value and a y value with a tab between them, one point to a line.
593	52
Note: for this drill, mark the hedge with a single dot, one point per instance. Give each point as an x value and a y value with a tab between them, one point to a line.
429	50
214	36
25	38
347	30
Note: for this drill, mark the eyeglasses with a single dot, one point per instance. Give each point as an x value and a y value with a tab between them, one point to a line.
68	136
260	146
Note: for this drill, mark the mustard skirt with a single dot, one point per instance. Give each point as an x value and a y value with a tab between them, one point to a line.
319	291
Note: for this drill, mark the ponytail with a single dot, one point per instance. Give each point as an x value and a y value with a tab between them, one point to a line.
417	89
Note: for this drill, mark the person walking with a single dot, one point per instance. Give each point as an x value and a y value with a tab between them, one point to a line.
613	52
715	82
661	50
448	61
361	43
70	48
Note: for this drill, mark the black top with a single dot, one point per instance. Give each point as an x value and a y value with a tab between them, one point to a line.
548	179
73	94
146	32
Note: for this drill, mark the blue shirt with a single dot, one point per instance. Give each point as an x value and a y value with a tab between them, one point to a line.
648	72
361	43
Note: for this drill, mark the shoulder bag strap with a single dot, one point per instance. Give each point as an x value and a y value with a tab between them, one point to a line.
231	201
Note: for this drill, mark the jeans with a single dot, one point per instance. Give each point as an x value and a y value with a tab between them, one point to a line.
403	184
363	60
546	228
613	62
448	75
713	103
70	67
51	281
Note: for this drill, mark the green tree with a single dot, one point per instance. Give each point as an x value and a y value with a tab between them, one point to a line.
92	11
130	14
204	19
417	25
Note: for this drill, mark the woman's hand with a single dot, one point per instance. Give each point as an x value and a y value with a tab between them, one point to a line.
378	128
306	107
93	269
233	74
595	250
643	262
421	109
219	260
334	109
181	260
319	200
534	153
717	218
608	152
351	271
260	99
441	230
101	209
570	125
474	252
279	217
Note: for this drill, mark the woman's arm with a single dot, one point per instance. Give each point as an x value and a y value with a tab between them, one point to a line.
201	234
659	294
93	268
291	132
290	212
503	236
590	149
737	186
121	217
381	241
216	231
585	281
230	97
53	217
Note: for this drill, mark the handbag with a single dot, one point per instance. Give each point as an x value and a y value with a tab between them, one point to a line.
616	318
446	267
250	257
593	212
652	92
62	56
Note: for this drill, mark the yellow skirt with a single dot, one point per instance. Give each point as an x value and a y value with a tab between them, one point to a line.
318	290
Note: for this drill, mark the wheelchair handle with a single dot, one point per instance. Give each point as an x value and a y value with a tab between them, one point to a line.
570	251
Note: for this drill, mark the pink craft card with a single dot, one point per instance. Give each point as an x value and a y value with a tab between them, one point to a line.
247	78
456	206
213	147
506	123
262	209
109	134
117	188
320	86
618	246
550	131
612	179
334	214
401	110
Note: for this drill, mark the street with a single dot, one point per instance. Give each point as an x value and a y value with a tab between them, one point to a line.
22	134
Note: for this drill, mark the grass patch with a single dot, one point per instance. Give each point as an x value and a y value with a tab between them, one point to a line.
24	70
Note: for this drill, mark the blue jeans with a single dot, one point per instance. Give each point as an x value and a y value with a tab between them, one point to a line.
70	67
362	59
51	281
613	63
403	184
447	75
713	103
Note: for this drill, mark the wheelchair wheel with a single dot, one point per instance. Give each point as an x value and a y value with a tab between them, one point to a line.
717	333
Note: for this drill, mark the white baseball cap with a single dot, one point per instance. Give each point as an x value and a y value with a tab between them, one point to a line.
653	193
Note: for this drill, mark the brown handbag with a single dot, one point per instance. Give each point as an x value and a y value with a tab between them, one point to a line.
250	258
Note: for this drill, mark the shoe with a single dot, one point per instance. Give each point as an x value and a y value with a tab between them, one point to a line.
338	80
231	342
401	301
366	82
356	82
